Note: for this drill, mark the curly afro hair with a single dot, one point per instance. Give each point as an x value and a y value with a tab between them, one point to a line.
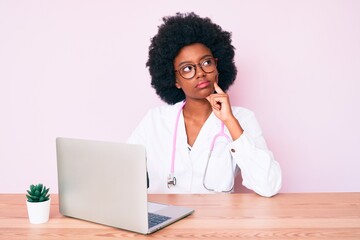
179	31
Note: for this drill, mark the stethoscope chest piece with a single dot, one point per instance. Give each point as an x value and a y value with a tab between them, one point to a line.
171	181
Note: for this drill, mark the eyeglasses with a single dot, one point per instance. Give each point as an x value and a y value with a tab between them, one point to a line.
188	71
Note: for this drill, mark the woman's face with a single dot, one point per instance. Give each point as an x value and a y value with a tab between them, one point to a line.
196	82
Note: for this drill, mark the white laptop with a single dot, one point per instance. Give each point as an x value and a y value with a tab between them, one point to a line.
106	183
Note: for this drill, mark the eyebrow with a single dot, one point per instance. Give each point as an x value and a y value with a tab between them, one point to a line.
189	62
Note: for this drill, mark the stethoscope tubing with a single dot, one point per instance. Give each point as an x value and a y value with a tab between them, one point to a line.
171	178
174	139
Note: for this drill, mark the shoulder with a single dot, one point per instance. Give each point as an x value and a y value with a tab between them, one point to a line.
163	113
154	122
242	113
247	120
164	110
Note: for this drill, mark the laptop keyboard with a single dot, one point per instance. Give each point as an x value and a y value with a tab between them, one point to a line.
155	219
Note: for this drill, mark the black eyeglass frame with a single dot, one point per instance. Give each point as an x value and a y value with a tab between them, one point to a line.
198	64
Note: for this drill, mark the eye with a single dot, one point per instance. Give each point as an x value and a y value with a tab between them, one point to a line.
207	62
187	68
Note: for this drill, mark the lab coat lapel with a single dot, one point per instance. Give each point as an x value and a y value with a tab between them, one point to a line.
181	145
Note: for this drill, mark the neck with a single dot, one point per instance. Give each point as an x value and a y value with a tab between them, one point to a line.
197	110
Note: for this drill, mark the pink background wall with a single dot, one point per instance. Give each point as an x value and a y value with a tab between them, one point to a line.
77	69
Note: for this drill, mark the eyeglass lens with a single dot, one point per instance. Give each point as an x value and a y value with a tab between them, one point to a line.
189	71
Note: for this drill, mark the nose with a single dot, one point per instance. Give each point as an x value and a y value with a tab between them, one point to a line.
199	71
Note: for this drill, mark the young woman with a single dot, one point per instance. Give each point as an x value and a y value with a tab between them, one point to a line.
199	142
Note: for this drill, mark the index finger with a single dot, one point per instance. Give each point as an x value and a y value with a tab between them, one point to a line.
217	88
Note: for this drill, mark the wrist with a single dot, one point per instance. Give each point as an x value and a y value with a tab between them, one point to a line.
234	127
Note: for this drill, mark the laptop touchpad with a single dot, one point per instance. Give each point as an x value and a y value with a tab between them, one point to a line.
154	207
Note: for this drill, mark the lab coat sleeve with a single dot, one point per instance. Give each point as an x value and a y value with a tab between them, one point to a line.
260	172
139	135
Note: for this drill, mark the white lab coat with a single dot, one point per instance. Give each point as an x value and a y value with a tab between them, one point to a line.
249	153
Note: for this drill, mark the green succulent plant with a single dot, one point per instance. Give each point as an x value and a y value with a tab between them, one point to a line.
38	193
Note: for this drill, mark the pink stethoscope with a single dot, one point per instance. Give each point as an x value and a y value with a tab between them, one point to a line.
171	181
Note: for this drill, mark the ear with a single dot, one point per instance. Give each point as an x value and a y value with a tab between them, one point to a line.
177	85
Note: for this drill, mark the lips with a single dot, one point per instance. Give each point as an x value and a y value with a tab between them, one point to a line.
203	84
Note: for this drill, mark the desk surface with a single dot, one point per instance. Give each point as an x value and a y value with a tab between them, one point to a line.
217	216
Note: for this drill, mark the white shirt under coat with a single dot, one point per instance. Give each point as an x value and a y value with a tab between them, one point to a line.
249	153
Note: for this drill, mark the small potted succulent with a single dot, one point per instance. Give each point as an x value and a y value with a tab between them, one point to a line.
38	203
